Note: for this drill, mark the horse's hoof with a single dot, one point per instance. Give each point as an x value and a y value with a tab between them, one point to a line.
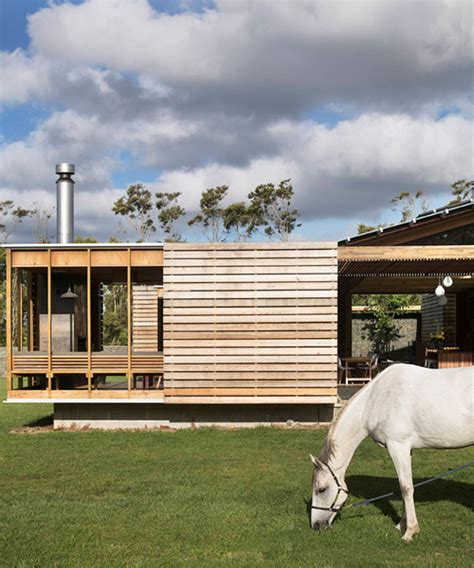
410	533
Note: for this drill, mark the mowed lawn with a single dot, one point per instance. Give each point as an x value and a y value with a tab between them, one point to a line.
210	498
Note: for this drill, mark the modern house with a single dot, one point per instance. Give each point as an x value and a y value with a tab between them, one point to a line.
215	333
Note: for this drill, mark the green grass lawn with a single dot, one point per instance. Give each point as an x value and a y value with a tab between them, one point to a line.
210	498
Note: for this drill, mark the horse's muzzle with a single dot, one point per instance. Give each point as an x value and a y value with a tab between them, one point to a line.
319	525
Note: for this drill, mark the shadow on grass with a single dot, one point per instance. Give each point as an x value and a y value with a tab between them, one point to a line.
43	422
367	486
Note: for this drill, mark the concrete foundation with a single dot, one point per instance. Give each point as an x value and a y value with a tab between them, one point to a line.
107	416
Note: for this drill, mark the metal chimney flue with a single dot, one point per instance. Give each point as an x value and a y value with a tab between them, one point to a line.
65	203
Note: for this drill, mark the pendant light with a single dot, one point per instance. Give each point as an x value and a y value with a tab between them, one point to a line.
440	291
69	295
447	281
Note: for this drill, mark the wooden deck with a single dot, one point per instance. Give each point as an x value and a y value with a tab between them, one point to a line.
85	395
244	323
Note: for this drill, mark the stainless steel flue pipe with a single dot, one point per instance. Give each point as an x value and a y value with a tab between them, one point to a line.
65	203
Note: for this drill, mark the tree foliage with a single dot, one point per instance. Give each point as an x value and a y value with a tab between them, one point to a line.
40	219
271	210
85	240
382	329
115	314
461	189
169	212
211	217
410	205
238	220
363	228
10	216
2	298
136	206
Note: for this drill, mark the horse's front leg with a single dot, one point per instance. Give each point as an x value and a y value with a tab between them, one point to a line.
401	457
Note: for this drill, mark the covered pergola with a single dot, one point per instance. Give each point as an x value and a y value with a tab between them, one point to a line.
402	269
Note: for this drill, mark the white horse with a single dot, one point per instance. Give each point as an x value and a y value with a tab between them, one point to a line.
403	408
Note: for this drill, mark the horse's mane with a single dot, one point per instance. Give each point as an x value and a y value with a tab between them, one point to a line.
328	450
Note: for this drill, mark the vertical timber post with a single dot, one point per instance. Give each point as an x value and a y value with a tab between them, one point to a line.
20	309
50	339
30	312
89	324
129	319
9	351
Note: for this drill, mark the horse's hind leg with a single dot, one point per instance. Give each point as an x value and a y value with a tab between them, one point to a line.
400	454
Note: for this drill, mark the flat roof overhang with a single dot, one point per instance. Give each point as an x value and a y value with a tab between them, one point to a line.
400	269
81	246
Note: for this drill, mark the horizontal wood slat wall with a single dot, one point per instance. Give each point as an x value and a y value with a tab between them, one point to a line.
250	320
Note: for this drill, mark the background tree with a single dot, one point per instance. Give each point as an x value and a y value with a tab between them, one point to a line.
211	217
237	221
382	328
169	212
115	314
10	217
363	228
137	207
40	218
271	209
2	299
5	209
461	190
85	240
410	205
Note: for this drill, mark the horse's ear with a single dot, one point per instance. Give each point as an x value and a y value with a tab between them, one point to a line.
315	461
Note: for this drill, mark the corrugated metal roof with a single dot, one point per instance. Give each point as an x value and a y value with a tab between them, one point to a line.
441	212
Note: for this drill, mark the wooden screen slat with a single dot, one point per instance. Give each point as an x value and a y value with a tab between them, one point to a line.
250	320
145	318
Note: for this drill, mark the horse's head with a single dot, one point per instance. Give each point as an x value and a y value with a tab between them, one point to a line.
328	496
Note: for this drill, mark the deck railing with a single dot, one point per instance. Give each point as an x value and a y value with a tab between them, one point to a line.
77	363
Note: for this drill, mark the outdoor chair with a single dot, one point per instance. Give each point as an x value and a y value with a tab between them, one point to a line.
372	368
343	372
431	358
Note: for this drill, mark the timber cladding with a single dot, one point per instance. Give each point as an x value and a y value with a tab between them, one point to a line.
250	322
145	328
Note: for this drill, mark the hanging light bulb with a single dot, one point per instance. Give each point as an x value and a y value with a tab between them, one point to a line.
442	300
447	281
440	291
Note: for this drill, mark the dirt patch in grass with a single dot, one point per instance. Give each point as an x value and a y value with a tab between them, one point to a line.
32	429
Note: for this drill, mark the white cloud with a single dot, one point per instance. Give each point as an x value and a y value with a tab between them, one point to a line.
23	78
356	166
218	97
371	53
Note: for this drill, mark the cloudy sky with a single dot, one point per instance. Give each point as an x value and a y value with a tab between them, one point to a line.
354	101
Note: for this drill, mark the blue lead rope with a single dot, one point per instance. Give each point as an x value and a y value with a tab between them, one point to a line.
439	476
